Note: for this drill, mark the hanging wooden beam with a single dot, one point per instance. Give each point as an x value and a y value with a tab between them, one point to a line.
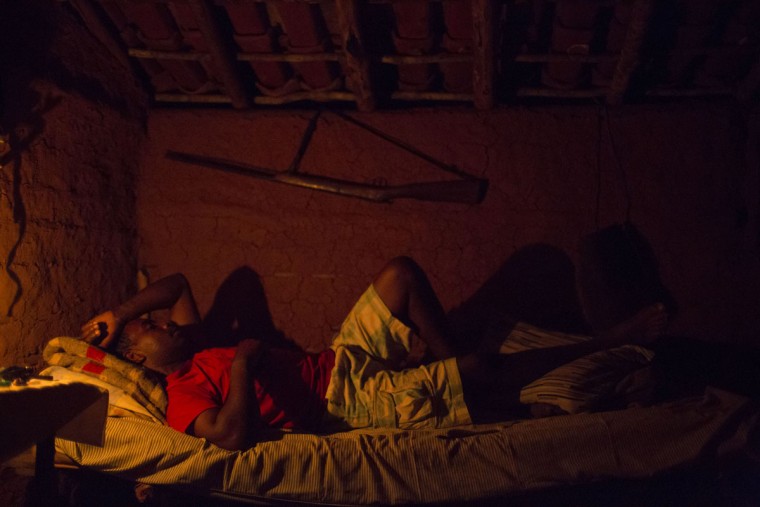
98	28
483	53
357	64
630	55
225	61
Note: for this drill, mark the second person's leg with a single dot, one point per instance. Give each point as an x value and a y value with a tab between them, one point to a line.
406	291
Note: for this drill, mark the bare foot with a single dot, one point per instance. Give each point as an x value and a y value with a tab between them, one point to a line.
644	327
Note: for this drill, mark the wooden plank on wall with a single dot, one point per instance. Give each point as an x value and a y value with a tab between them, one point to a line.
483	53
357	63
224	59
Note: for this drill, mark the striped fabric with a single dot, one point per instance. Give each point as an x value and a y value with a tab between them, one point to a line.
78	355
605	378
364	467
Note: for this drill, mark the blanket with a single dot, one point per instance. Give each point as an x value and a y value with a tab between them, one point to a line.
77	355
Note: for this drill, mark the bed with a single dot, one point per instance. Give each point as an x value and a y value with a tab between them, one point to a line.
395	467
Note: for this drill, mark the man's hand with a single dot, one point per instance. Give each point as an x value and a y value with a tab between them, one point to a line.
233	425
248	350
103	329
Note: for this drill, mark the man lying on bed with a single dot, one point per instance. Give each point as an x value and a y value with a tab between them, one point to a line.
363	380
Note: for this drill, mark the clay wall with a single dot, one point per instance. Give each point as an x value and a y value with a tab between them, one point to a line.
74	121
250	246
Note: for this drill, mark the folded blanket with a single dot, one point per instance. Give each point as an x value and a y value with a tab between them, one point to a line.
78	355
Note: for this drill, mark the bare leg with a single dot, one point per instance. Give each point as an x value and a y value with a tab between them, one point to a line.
493	382
406	291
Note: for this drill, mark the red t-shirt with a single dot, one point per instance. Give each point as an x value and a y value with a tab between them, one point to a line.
290	387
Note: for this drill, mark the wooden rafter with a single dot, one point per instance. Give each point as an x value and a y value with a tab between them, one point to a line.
223	58
357	64
99	29
483	53
630	55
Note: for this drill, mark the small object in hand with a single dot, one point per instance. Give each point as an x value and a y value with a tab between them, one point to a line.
13	372
20	375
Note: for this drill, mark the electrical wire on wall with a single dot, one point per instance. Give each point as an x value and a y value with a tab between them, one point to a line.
618	272
621	170
599	131
604	125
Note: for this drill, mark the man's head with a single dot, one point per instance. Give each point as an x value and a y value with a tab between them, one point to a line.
159	347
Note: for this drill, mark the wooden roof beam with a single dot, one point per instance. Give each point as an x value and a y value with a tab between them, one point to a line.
357	64
483	53
223	58
630	54
99	28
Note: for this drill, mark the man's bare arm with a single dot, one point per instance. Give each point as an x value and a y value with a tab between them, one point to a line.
172	292
232	426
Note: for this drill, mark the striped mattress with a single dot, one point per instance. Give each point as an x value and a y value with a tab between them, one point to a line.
424	467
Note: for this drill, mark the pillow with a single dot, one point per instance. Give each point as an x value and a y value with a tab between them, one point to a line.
605	379
79	356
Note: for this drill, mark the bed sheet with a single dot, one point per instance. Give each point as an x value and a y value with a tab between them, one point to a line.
424	467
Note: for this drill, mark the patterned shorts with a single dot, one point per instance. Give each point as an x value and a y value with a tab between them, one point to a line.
370	387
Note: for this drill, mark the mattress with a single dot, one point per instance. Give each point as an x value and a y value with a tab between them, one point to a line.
424	467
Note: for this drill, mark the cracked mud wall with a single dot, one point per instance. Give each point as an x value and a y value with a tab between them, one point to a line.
75	122
553	180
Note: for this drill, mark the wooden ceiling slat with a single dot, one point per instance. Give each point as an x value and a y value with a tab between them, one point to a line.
316	96
416	59
167	55
559	57
224	60
483	53
100	30
438	96
630	55
289	57
357	64
587	93
364	71
199	99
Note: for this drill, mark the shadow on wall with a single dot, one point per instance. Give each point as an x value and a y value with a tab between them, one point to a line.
240	311
618	275
536	284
